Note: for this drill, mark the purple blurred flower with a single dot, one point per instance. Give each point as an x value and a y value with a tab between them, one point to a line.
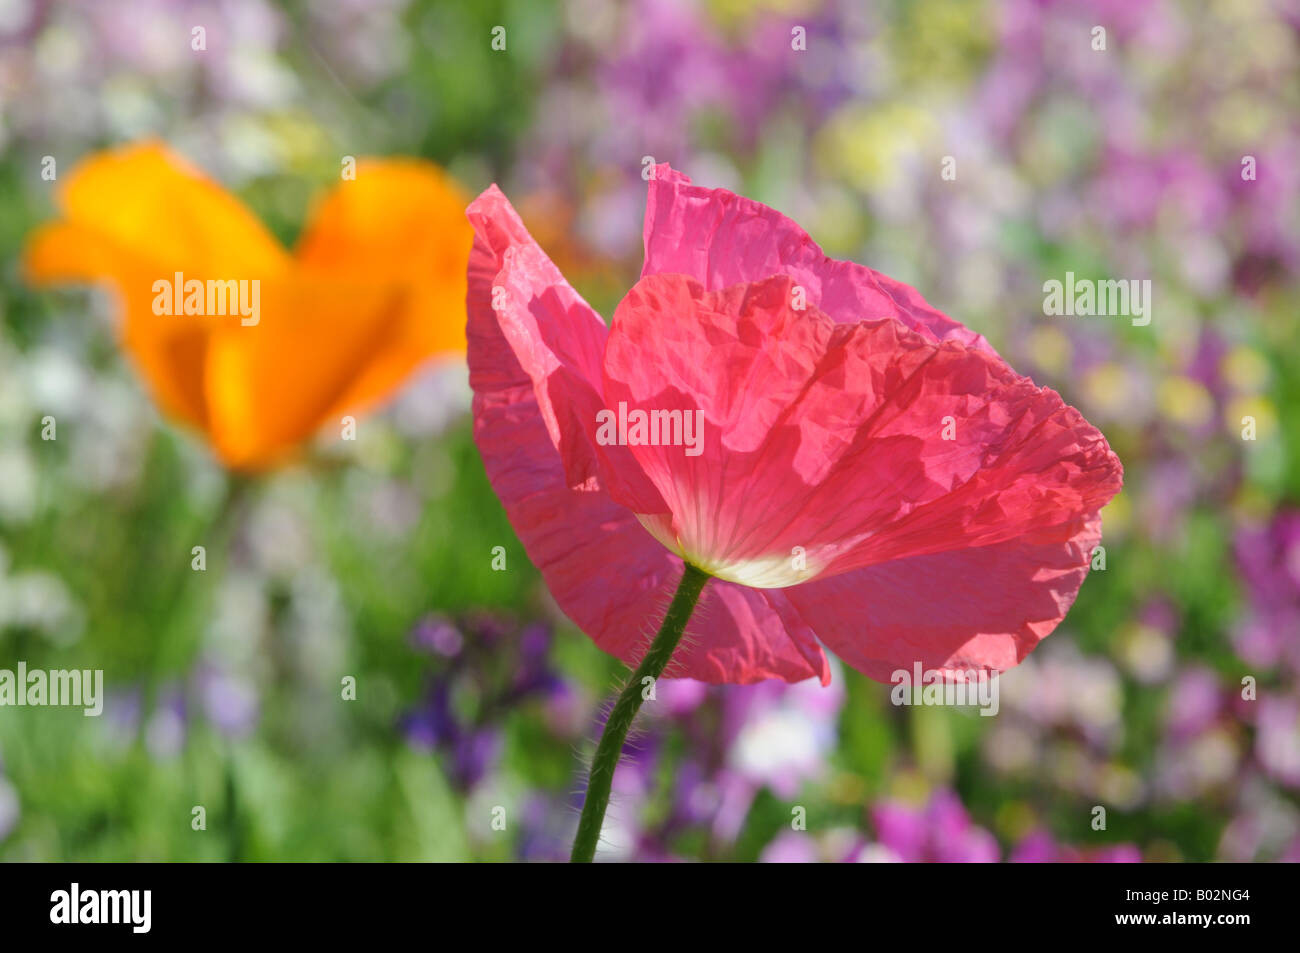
474	753
1041	848
166	729
782	734
230	703
120	723
941	831
1277	738
1195	702
437	634
1268	558
485	665
790	847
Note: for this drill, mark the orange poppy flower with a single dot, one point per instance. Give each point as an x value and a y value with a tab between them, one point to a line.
253	345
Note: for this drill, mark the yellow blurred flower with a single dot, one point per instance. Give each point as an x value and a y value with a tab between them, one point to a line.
1185	401
867	146
1246	370
1108	388
1251	417
1050	349
375	287
732	13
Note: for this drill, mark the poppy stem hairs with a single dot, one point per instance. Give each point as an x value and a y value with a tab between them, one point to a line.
624	712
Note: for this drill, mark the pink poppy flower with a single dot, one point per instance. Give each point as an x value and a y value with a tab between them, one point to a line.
865	473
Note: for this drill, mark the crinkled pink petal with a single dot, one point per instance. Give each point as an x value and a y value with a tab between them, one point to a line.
603	569
555	337
978	609
722	239
841	446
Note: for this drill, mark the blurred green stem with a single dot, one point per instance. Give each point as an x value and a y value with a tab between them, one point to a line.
215	533
234	830
620	719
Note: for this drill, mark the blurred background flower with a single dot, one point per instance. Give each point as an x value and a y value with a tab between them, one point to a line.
374	290
1171	694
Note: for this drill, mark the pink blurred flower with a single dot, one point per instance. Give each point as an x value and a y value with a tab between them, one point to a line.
1041	848
1194	703
1269	561
790	847
1277	738
941	831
